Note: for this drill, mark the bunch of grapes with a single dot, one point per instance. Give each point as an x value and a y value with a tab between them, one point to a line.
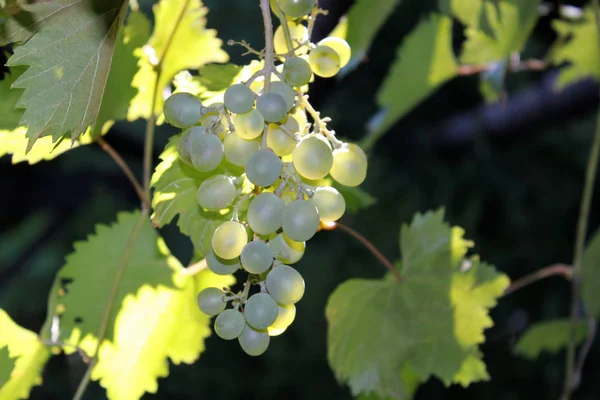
263	126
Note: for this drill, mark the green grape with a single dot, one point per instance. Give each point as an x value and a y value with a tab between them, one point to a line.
210	301
330	203
263	168
296	8
182	110
285	316
260	311
340	46
249	125
256	257
300	220
265	213
215	124
312	157
229	239
238	98
229	324
349	165
183	146
253	342
220	266
285	284
324	61
281	142
238	150
286	250
272	106
298	33
206	151
216	193
296	72
286	92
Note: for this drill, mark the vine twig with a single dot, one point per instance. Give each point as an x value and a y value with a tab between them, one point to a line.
553	270
269	51
585	350
195	268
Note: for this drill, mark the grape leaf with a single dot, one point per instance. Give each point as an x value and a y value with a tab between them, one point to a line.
356	198
577	45
433	321
549	336
590	286
69	59
426	57
191	46
216	77
9	115
22	359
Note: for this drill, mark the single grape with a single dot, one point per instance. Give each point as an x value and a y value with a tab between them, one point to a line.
182	110
210	301
340	46
300	220
183	147
330	203
349	166
260	311
238	150
324	61
263	168
206	151
220	266
238	98
282	141
286	250
249	125
215	124
229	239
312	157
272	106
285	284
254	342
286	92
229	324
296	72
216	193
265	213
256	257
298	33
285	316
296	8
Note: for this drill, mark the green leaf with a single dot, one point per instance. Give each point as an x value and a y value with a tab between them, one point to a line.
356	198
22	359
424	61
591	276
69	59
9	114
217	77
577	45
549	336
433	321
190	46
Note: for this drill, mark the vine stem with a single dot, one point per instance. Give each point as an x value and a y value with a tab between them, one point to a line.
553	270
125	168
570	382
196	268
269	50
370	246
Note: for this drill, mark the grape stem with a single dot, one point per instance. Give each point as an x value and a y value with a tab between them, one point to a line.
269	51
321	123
286	30
195	268
246	45
553	270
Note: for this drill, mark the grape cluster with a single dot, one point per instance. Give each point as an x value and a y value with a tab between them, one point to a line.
263	126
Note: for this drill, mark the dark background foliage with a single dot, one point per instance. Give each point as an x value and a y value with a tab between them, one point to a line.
510	174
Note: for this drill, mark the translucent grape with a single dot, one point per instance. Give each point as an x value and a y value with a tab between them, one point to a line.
216	193
286	92
206	151
286	250
285	316
229	239
265	213
249	125
300	220
340	46
263	168
324	61
330	203
215	124
183	147
256	257
285	284
260	311
298	33
220	266
238	98
349	166
253	342
281	142
238	150
272	106
182	110
296	72
210	301
229	324
296	8
312	157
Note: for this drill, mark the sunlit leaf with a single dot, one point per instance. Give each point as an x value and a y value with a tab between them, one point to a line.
591	275
548	336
